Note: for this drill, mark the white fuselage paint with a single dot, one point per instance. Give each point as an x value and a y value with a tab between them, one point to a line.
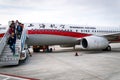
48	39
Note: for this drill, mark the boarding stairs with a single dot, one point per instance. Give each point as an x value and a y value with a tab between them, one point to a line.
6	56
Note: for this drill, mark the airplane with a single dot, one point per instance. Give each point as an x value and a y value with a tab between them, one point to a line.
3	30
42	35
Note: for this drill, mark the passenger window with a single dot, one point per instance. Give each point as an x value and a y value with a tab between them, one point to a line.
76	30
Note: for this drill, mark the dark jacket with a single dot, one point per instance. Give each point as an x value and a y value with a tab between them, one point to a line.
12	40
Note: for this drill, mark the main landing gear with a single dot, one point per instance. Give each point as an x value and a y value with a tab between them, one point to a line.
108	48
43	48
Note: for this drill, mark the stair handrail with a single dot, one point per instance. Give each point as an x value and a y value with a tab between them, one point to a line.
3	41
23	39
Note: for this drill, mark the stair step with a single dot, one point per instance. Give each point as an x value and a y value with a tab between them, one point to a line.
10	55
8	59
12	62
9	50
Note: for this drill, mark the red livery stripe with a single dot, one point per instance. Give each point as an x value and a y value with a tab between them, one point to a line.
1	35
59	32
10	75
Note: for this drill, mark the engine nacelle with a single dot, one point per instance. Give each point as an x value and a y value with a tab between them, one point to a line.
94	42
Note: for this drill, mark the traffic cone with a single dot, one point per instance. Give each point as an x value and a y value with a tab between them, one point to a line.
76	54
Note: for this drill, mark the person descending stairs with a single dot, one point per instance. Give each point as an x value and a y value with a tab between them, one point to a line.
12	47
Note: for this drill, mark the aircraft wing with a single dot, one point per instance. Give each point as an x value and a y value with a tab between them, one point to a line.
112	37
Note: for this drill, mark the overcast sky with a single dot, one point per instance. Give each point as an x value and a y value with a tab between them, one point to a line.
83	12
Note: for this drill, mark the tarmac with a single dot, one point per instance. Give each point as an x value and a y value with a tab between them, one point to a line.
62	64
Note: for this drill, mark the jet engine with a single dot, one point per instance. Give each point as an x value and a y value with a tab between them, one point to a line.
94	42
